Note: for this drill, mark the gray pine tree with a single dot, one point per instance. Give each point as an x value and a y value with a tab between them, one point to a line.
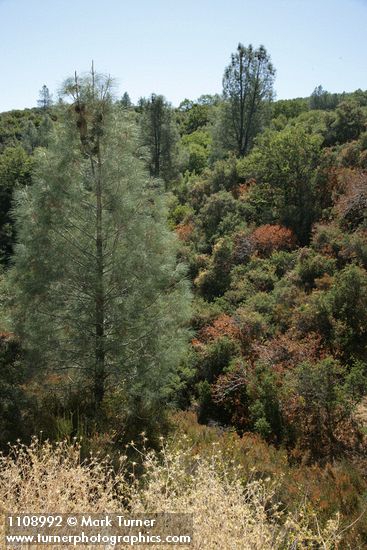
247	90
99	293
159	135
45	98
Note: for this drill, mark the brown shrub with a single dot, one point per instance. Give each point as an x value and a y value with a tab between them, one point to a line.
224	325
269	238
288	350
184	231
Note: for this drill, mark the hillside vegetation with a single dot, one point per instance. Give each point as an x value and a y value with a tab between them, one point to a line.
197	270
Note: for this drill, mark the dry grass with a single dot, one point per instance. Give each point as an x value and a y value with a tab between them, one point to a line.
228	514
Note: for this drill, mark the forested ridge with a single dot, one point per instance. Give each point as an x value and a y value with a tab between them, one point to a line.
197	271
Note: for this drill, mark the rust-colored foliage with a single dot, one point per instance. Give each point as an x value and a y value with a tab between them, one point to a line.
314	443
269	238
224	325
184	231
288	350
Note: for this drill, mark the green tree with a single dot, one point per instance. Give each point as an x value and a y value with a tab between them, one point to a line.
220	214
264	402
350	121
247	88
289	108
14	124
196	148
213	282
125	101
159	136
192	116
45	98
98	292
321	99
33	136
342	312
288	161
15	173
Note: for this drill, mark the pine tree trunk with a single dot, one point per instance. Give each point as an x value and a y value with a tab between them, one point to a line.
100	374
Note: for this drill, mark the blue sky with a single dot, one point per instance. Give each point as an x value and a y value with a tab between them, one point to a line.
179	48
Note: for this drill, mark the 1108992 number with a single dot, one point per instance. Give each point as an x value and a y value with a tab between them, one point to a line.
34	521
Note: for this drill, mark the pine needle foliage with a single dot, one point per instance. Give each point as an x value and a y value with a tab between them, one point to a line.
99	293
